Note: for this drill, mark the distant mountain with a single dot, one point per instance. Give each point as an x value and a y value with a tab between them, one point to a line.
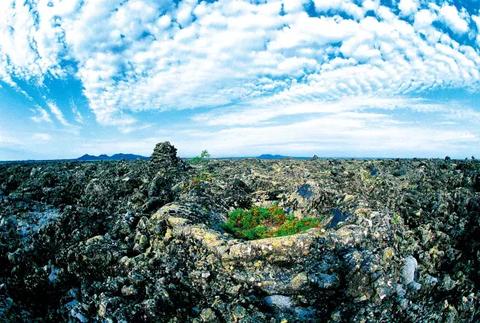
88	157
269	156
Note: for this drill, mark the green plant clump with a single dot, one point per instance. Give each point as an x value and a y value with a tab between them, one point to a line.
203	157
261	222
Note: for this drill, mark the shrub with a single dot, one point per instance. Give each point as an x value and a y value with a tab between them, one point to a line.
261	222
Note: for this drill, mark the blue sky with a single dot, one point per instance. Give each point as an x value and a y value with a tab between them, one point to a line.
297	77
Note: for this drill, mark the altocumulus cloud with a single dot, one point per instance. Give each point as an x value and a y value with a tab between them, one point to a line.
298	76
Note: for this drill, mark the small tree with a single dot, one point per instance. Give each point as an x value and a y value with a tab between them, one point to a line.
204	155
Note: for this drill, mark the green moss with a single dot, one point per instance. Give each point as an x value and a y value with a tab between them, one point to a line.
396	218
261	222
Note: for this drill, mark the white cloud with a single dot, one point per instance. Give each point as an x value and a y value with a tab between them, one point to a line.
344	133
76	113
31	41
408	7
137	55
340	5
41	115
451	17
349	133
363	126
476	19
54	109
424	19
264	112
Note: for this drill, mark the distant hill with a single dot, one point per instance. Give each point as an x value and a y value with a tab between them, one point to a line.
269	156
88	157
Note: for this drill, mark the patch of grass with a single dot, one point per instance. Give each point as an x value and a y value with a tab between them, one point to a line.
261	222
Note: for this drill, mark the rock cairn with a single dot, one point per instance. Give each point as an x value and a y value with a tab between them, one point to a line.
164	152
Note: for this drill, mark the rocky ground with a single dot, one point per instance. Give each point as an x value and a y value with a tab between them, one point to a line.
143	241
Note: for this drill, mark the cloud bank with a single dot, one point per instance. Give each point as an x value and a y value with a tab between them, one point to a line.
249	64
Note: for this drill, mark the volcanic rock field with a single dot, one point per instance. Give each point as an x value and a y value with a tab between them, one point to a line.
144	241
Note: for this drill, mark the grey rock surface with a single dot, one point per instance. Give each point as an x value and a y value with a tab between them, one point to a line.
408	270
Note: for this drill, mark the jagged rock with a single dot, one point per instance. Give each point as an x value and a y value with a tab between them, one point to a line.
281	302
408	270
